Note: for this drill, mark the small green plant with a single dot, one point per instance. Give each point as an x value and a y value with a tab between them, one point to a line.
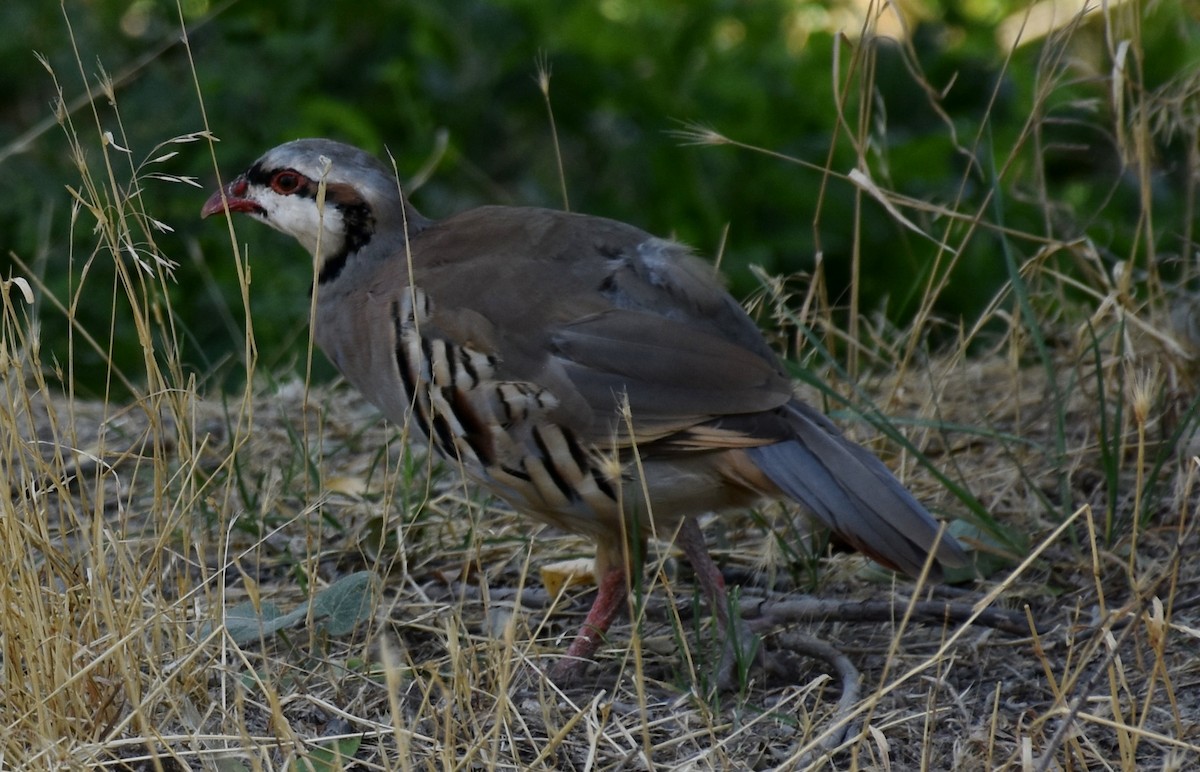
335	611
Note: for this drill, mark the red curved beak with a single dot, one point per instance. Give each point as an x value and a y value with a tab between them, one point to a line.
230	198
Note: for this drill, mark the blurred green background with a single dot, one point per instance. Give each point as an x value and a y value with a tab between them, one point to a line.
933	116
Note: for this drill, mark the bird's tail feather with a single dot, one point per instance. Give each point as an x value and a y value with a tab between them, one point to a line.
853	493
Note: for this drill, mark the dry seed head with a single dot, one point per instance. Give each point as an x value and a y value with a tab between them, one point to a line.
699	134
1142	388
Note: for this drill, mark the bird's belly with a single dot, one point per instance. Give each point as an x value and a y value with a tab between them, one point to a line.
650	504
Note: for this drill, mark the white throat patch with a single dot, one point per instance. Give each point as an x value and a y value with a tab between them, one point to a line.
300	218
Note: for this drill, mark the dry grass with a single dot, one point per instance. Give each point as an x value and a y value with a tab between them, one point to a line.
130	531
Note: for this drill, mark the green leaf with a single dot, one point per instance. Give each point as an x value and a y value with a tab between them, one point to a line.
345	603
245	623
330	759
337	609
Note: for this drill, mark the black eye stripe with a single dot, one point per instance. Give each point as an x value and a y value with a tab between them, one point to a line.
257	175
337	194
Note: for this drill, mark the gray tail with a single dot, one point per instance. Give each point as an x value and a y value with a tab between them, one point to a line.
853	493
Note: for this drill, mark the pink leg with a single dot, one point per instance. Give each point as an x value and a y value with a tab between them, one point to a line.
740	643
610	599
691	541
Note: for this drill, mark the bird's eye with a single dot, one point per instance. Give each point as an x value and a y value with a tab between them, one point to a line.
286	182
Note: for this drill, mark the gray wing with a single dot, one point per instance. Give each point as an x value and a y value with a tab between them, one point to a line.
603	312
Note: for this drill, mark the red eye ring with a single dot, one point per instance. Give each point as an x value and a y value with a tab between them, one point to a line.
286	182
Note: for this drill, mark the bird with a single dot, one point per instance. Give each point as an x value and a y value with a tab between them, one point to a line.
595	377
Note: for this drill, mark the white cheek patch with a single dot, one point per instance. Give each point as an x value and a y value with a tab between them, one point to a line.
299	217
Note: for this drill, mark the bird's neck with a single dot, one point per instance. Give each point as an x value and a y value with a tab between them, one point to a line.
364	237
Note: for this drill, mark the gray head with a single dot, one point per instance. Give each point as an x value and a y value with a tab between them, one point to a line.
362	199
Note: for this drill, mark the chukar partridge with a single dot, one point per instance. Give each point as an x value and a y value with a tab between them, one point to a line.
593	376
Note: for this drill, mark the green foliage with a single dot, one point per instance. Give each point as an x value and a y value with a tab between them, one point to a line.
333	758
926	118
335	611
